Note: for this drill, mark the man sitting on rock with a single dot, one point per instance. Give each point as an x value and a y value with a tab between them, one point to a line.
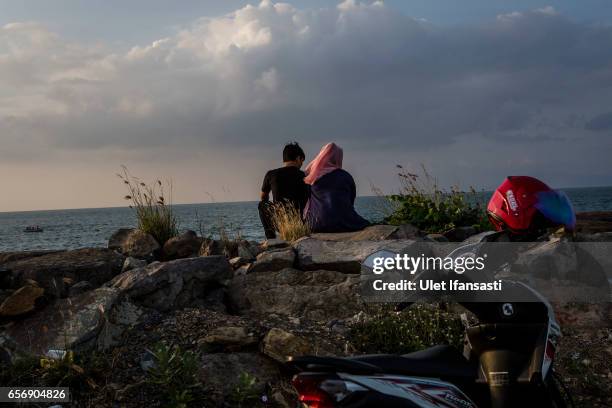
286	184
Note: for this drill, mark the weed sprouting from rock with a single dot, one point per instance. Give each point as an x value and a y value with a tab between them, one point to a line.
153	206
287	220
245	392
174	374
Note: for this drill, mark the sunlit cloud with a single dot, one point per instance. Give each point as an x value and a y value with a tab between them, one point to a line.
362	74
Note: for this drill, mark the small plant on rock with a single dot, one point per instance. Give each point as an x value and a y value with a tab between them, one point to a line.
416	328
174	374
153	206
245	393
287	220
229	239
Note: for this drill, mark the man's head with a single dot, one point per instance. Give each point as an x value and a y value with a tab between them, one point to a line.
293	155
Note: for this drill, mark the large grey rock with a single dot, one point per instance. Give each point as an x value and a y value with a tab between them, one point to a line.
558	260
220	373
245	251
320	295
133	242
406	231
79	287
243	269
133	263
6	282
547	259
52	271
182	246
64	324
459	234
5	293
237	262
595	256
174	284
343	256
22	301
274	260
380	232
487	236
123	315
436	238
274	243
256	248
6	257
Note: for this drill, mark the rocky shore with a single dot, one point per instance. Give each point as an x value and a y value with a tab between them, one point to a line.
242	308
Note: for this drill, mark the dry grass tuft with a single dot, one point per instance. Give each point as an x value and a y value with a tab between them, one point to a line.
153	208
288	222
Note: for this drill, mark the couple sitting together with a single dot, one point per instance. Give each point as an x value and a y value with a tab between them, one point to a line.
324	194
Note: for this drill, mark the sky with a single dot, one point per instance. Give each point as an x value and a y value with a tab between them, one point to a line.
206	93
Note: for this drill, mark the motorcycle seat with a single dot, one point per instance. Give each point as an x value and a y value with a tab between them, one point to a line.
438	361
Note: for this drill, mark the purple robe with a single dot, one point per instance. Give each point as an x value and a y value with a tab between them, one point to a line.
330	207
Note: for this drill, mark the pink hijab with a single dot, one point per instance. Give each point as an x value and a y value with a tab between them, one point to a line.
328	160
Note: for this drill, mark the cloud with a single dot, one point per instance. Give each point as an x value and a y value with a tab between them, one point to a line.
359	73
600	122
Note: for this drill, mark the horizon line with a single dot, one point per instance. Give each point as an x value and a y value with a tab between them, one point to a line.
230	202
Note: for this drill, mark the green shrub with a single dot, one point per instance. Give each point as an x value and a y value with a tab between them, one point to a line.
22	372
422	203
415	328
174	375
82	373
245	393
154	210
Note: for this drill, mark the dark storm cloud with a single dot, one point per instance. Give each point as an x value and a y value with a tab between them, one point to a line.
600	122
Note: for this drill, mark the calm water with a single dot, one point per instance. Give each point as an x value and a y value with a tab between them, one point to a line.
68	229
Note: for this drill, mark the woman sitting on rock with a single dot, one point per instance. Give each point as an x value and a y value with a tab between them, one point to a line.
330	207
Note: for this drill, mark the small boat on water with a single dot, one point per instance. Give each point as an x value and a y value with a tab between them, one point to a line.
33	228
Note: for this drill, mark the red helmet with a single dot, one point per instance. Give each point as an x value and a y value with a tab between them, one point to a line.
523	204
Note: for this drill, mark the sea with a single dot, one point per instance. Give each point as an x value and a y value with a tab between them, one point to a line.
91	227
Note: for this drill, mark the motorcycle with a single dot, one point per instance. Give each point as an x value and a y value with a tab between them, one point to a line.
507	361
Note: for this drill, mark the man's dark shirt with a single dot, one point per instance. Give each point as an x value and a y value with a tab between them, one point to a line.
286	184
